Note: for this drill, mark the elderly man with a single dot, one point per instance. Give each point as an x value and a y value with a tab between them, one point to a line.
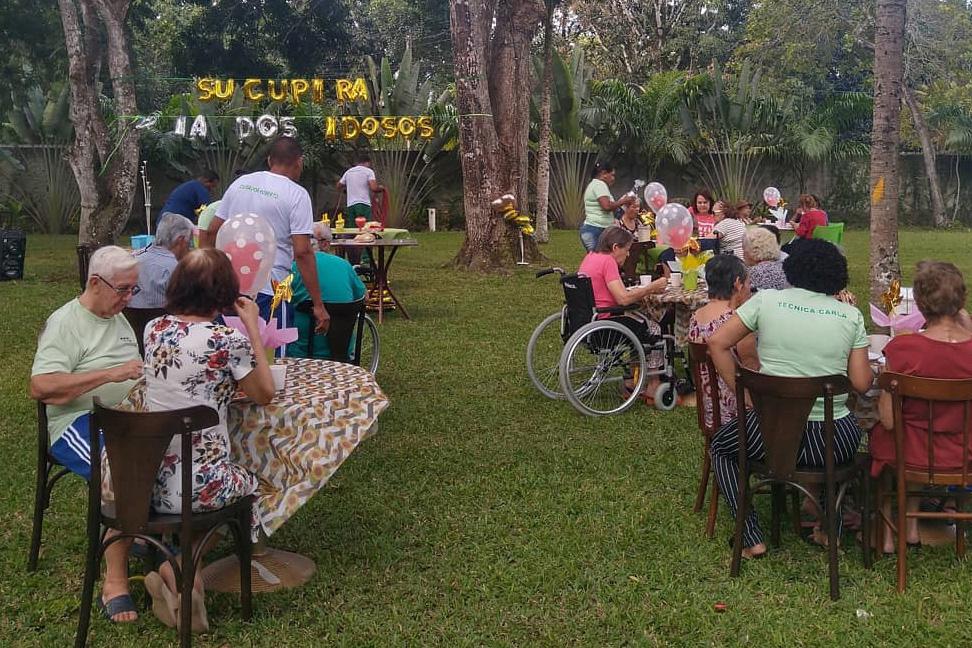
173	239
276	196
88	349
338	283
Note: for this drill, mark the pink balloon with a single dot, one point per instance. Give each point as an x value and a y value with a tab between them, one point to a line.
674	224
251	245
655	196
771	195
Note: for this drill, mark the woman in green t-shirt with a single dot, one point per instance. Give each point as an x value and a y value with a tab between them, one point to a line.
599	205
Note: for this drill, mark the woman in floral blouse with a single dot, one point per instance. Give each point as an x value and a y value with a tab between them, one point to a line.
191	360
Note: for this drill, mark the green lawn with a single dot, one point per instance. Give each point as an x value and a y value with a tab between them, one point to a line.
483	514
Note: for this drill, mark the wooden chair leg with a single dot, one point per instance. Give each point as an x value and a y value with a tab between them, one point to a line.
902	525
713	509
961	504
245	553
832	540
41	501
865	489
704	483
744	506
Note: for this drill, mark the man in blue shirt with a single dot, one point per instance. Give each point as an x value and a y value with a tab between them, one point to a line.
173	240
190	196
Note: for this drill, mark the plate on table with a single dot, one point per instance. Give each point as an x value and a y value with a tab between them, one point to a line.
874	356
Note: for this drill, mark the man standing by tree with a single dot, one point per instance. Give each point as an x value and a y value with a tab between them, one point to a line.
190	196
276	196
360	183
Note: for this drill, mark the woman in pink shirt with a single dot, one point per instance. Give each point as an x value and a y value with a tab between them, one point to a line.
602	266
701	210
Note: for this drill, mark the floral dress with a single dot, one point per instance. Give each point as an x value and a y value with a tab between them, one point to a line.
197	363
700	333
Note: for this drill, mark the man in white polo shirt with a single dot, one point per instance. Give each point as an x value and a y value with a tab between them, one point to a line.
276	196
360	183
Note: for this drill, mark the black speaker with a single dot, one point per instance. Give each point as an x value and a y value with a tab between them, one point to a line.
13	248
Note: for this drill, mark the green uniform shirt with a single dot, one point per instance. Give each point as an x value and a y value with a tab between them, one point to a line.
593	214
75	340
803	333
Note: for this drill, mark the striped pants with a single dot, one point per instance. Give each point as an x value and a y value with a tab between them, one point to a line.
725	458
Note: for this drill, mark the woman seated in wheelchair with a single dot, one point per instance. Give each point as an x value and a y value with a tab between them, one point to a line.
602	265
191	360
831	340
942	350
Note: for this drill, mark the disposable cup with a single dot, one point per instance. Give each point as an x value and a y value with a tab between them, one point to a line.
279	372
675	280
644	279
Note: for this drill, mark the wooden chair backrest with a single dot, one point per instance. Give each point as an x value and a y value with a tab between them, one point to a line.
136	443
701	363
783	405
932	390
138	318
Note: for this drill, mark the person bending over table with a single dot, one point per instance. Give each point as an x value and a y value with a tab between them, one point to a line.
836	343
602	267
191	360
762	253
728	289
942	350
88	349
808	215
599	205
339	283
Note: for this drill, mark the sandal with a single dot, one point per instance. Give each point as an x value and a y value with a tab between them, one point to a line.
165	604
118	605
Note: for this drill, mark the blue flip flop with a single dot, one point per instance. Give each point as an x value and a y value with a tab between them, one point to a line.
117	605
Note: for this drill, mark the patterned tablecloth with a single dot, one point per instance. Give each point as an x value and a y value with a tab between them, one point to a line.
298	440
686	302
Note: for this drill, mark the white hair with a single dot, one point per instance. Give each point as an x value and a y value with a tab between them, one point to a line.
110	260
172	228
322	231
759	244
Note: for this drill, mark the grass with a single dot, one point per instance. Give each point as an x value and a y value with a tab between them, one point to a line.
483	514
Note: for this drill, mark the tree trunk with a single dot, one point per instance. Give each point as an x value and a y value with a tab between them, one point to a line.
104	162
491	44
885	137
928	155
543	145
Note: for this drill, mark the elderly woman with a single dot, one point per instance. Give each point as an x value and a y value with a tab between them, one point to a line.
762	253
630	219
817	271
602	266
599	205
728	285
191	360
728	229
942	350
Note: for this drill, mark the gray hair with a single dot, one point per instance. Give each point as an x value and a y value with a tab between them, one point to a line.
172	228
110	260
322	231
759	244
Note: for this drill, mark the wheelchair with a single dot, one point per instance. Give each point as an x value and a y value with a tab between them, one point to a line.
588	361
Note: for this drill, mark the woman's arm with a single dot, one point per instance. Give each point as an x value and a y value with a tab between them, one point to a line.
859	370
746	350
610	205
725	337
624	296
258	384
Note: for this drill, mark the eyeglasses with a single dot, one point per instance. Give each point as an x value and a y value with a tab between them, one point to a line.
121	292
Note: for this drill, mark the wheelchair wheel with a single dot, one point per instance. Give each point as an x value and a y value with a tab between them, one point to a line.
543	355
666	396
370	346
595	364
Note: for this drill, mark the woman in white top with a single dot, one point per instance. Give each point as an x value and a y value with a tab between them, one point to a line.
728	229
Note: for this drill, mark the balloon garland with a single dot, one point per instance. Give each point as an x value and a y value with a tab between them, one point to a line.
506	205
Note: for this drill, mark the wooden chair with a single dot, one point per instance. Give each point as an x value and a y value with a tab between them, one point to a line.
138	318
783	405
347	319
84	257
49	472
701	364
135	443
939	392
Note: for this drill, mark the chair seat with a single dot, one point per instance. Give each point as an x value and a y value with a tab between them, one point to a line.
164	522
817	475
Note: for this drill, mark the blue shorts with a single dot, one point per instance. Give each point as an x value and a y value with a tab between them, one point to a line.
73	448
284	315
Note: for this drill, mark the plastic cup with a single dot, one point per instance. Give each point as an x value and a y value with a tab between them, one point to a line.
644	279
279	373
691	280
675	280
